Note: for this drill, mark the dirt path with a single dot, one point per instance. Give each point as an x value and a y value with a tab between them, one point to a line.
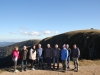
83	70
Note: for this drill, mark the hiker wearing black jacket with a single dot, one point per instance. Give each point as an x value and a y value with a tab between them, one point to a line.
75	56
48	55
56	56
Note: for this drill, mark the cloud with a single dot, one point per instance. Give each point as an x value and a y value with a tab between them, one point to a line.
56	32
21	31
24	28
34	33
30	33
50	32
38	33
47	32
12	32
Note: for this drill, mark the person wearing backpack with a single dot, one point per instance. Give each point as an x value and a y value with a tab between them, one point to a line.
24	58
48	56
40	56
64	57
69	52
75	56
15	57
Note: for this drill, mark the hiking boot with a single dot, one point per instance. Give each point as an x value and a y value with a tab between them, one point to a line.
77	70
33	69
25	69
68	67
74	68
21	71
16	71
65	71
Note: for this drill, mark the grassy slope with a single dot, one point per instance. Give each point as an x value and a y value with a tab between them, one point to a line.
85	39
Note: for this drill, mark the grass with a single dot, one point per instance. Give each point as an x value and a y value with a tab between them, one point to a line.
89	62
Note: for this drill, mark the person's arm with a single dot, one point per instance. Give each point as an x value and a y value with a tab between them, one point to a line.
66	54
19	55
27	50
78	53
42	52
45	53
70	51
31	53
61	54
51	53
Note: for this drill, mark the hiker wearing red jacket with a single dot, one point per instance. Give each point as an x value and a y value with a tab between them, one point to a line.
15	56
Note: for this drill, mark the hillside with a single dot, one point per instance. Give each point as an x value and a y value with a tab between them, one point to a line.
5	51
2	44
87	40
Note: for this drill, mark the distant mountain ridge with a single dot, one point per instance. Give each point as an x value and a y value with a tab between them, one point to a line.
2	44
6	50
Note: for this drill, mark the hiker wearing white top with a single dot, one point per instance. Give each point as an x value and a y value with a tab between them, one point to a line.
32	56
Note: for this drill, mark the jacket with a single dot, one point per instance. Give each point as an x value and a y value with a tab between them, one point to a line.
64	54
24	54
69	52
56	52
15	55
76	53
32	54
48	52
39	52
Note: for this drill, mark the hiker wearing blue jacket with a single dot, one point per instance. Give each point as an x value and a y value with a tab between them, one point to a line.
64	57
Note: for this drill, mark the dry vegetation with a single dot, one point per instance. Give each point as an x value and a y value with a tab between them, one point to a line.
87	67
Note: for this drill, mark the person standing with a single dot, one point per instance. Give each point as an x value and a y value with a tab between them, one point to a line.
75	56
69	53
15	56
24	58
40	56
32	56
56	55
64	57
48	55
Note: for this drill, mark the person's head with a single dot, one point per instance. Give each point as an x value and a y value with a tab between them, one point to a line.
24	47
16	48
48	45
39	45
74	46
33	46
56	46
64	46
67	45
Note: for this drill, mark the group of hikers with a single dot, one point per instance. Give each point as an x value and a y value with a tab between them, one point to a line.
49	54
